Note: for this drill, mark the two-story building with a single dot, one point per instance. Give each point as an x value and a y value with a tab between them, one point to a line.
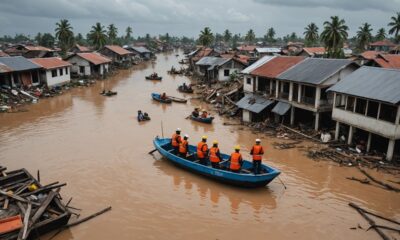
54	71
303	89
218	69
367	103
120	57
89	64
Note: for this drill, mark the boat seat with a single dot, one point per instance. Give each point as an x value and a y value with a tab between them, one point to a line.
245	171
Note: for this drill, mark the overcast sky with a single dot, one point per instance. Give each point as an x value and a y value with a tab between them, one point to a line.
188	17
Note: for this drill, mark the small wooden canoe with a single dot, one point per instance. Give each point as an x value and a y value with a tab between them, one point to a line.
157	97
185	90
178	100
244	178
109	93
154	78
203	120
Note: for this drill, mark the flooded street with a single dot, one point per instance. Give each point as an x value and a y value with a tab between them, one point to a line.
95	144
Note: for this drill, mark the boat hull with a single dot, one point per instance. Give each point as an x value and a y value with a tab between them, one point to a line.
247	180
203	120
154	78
157	97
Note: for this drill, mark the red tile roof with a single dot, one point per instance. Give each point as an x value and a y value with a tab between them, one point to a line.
276	66
3	54
117	49
94	58
314	50
369	55
383	43
37	48
247	48
204	52
388	60
50	63
82	48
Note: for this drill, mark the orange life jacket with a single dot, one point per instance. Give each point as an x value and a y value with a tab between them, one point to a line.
258	151
176	139
213	155
183	146
235	161
201	149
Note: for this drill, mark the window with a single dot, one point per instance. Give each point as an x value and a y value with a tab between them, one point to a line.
82	69
61	71
340	103
372	110
66	70
388	113
54	73
361	105
350	103
248	80
226	72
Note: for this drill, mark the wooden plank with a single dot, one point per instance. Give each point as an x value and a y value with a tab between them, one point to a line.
26	222
43	207
44	189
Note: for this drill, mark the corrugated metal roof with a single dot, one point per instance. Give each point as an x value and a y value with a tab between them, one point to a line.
94	58
18	63
373	83
4	69
281	108
117	49
314	70
3	54
140	49
384	42
254	103
258	63
212	61
388	60
276	66
268	50
369	55
314	50
50	63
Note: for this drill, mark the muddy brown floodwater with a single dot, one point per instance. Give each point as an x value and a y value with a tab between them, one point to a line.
95	144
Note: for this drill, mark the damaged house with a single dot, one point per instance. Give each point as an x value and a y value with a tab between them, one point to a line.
140	51
79	49
218	69
30	51
54	71
120	57
18	72
367	105
89	64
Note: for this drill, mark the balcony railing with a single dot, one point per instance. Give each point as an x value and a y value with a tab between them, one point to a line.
308	100
284	95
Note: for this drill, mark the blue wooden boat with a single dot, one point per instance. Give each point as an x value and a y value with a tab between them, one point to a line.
243	179
203	120
157	97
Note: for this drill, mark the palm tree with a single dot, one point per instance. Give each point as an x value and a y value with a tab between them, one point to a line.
334	35
98	35
311	34
112	33
206	37
128	33
381	34
64	35
227	36
395	26
270	36
250	36
364	36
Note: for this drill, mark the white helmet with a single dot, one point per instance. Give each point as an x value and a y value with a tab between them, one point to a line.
186	136
178	129
258	140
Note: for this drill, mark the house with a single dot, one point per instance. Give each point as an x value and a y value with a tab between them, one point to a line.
367	105
248	50
118	55
270	51
312	52
79	49
366	57
382	46
89	64
303	89
30	51
140	51
18	71
199	53
386	61
260	84
218	69
54	71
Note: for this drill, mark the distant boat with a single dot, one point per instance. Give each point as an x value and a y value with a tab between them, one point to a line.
185	90
244	178
154	78
158	98
203	120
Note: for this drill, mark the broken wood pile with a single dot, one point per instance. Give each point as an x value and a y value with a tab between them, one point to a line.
28	208
287	145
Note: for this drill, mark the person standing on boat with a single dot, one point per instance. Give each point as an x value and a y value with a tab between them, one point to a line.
140	116
257	152
176	140
183	146
235	160
202	150
214	155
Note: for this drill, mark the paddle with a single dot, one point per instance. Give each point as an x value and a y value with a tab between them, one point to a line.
282	182
151	152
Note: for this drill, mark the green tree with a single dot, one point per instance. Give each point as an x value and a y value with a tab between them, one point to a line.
395	26
206	37
79	39
334	35
270	36
227	36
219	38
380	34
293	37
235	40
112	33
64	35
128	33
98	35
250	37
364	36
311	34
38	38
47	40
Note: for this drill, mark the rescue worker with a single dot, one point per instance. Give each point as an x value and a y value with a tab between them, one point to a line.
183	146
235	160
163	96
257	151
176	140
204	114
195	113
202	150
214	155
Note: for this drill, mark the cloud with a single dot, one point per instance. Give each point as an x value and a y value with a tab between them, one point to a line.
236	16
348	5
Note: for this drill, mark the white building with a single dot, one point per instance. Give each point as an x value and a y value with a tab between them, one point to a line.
367	103
89	64
219	69
55	71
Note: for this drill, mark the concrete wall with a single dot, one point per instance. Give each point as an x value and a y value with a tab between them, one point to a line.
54	81
248	87
246	116
77	62
379	127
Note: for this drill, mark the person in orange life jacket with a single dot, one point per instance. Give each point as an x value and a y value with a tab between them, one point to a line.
202	150
257	151
235	160
176	140
183	146
214	155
